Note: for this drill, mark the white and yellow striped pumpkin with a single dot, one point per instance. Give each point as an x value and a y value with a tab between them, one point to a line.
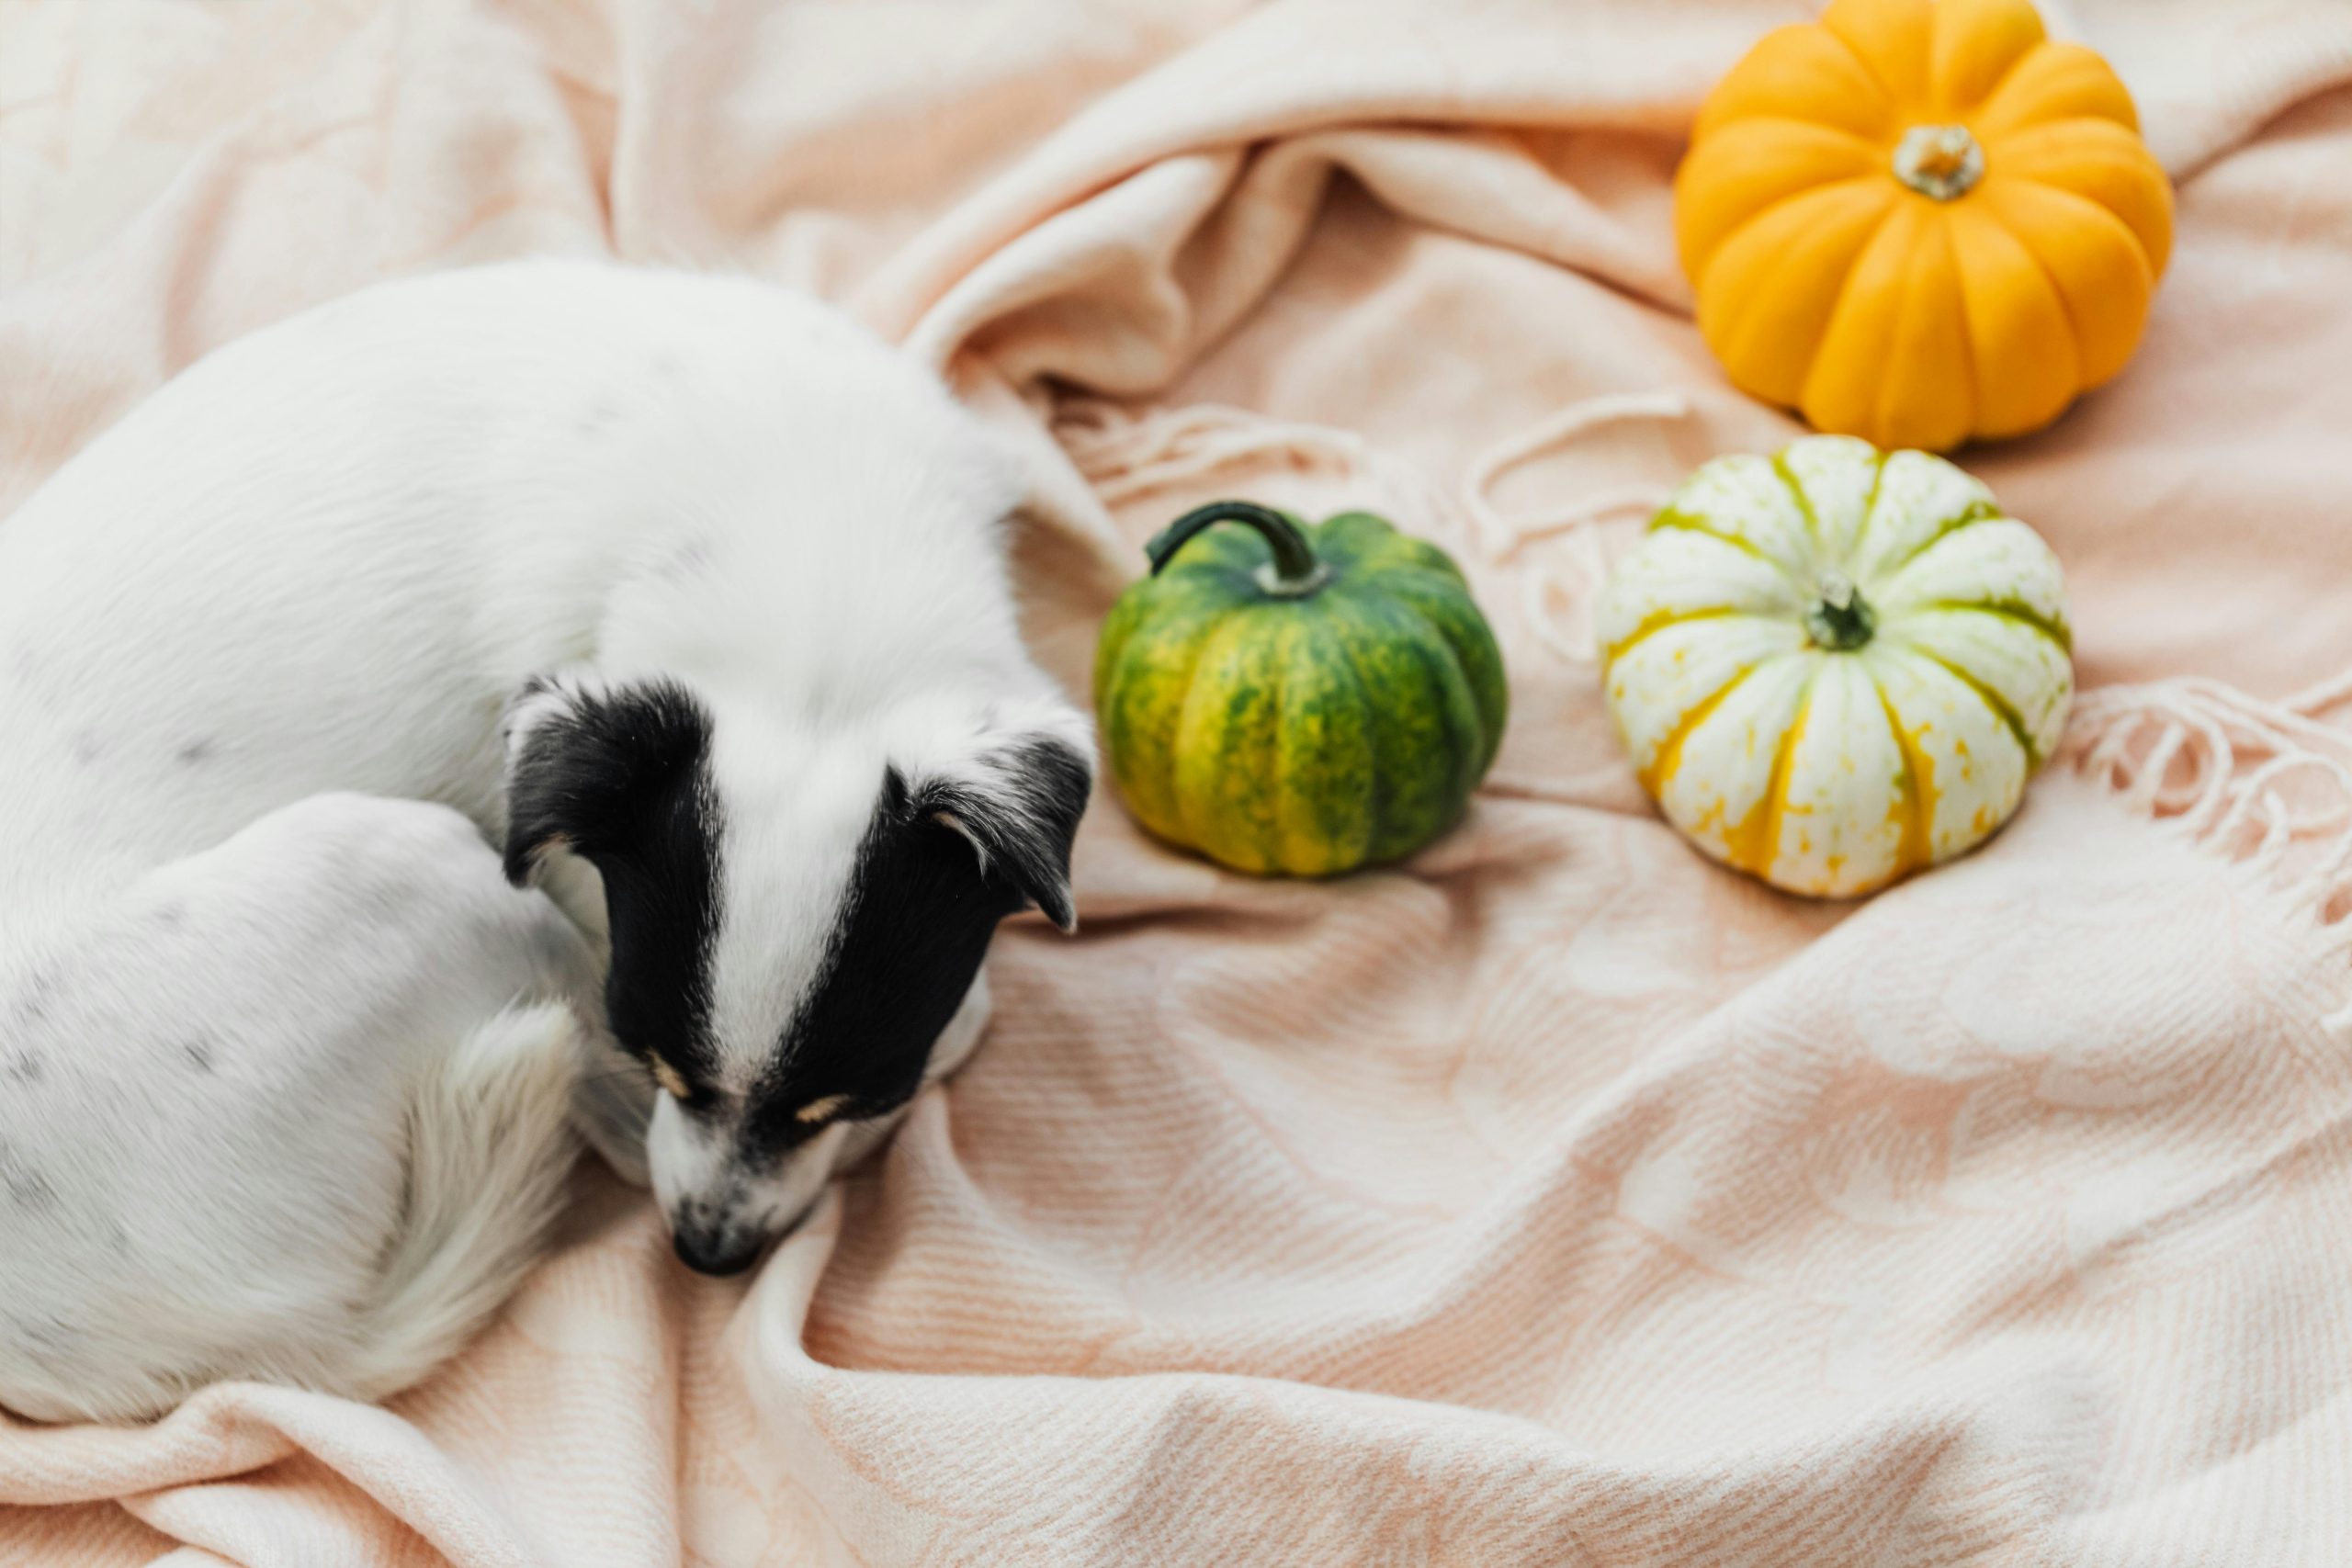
1836	666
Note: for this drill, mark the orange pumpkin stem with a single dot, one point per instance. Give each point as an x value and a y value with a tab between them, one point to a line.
1941	162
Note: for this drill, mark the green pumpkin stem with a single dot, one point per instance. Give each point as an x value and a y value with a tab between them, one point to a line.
1842	620
1295	572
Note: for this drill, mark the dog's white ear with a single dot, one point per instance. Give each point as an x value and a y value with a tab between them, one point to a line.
1015	792
590	764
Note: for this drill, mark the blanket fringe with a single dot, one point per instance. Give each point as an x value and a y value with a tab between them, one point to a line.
1539	582
1127	455
1503	536
2267	785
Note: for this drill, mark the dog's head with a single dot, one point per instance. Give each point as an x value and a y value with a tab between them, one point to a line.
798	914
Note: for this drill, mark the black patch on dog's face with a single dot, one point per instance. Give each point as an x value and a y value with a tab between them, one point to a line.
624	779
913	926
940	866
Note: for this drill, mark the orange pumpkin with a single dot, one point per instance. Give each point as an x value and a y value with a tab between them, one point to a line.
1921	222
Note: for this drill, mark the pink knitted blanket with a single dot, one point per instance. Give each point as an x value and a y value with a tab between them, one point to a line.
1557	1198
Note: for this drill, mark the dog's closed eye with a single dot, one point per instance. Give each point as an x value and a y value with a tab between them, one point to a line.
821	1111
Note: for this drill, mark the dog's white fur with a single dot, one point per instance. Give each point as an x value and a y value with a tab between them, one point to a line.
284	1059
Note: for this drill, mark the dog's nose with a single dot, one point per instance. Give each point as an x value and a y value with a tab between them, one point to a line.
719	1251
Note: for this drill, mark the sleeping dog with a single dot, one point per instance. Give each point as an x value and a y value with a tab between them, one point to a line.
413	692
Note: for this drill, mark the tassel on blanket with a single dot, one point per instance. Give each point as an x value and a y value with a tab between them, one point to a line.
1126	457
1501	538
2267	785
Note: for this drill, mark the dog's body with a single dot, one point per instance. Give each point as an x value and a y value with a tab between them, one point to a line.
685	576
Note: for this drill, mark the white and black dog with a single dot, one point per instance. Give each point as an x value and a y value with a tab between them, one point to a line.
308	665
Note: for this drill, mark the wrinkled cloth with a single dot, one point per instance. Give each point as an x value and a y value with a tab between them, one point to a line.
1554	1198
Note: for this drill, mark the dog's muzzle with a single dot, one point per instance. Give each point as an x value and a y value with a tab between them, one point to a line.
718	1243
723	1207
724	1238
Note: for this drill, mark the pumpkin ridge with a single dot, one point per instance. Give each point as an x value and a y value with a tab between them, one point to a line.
1770	208
1278	779
1919	784
2050	278
1314	787
1201	818
1822	125
1974	372
1125	676
1383	789
1474	653
2097	211
1759	854
2011	610
2074	78
1431	708
1897	103
1795	487
1416	576
1655	624
1771	295
2033	131
2088	132
1694	257
1661	771
1992	88
1434	655
2001	707
1913	305
1671	518
1862	324
1968	516
2053	187
2025	354
1970	362
1870	502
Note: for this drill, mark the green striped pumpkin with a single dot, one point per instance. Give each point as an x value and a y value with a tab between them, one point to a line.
1297	699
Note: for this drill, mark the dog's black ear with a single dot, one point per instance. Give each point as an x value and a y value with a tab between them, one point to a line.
597	768
1016	795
